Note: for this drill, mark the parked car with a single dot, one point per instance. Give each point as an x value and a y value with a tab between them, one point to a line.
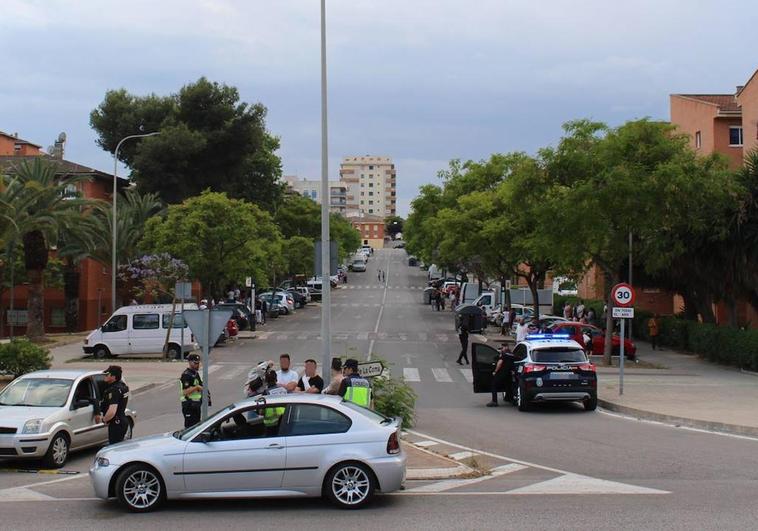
321	445
284	299
141	329
358	265
273	308
301	296
48	414
240	313
576	331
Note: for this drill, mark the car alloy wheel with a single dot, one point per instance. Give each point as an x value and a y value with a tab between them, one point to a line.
350	486
57	454
140	489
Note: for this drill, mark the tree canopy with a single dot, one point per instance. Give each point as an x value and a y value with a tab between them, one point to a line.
208	139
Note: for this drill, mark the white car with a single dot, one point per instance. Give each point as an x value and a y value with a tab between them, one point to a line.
47	414
284	299
318	445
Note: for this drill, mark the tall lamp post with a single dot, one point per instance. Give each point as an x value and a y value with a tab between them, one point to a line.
115	225
326	298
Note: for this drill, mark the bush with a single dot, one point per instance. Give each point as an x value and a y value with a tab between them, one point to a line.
395	398
21	356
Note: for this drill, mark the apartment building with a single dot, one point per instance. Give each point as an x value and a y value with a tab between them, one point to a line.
312	190
371	185
371	229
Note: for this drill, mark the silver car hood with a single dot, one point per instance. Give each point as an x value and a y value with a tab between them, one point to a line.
16	416
162	441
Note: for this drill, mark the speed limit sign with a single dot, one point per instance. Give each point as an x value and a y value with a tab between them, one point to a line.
622	295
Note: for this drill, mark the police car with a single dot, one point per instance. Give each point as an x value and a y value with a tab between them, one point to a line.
547	368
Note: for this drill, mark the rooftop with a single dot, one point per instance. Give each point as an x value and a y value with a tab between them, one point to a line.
727	103
18	140
9	162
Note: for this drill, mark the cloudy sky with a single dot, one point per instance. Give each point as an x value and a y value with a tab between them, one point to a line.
421	81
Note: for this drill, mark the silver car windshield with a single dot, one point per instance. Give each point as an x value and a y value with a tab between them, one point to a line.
36	392
188	433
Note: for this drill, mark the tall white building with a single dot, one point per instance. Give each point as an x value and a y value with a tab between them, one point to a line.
370	183
312	190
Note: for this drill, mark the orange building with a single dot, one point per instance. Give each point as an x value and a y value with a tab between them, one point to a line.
371	229
94	278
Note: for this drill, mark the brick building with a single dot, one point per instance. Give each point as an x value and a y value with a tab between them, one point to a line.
95	278
371	229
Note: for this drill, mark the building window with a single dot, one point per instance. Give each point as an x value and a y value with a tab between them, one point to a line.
370	210
698	140
370	167
735	135
363	193
371	193
362	202
370	202
363	185
370	185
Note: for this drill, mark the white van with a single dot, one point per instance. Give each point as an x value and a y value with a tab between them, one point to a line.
469	292
141	329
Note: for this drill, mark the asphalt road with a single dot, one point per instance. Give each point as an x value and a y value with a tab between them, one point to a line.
559	467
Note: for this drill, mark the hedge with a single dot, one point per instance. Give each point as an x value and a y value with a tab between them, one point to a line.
20	356
721	344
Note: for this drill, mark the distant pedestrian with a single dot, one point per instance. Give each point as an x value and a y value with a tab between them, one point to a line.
203	304
438	298
591	316
511	318
384	275
442	300
522	330
579	310
463	338
379	275
567	311
451	297
653	330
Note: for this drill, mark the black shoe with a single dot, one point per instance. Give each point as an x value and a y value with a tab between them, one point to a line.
491	404
459	362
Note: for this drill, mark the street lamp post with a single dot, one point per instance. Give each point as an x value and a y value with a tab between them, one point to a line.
326	297
115	225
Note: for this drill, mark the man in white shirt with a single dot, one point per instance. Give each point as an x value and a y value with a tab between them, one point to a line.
285	377
522	330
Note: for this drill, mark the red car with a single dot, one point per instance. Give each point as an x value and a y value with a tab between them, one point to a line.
576	331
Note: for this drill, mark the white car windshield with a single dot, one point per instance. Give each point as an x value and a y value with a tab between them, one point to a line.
36	392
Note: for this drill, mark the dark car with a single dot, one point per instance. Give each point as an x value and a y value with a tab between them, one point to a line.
299	297
545	369
241	314
272	308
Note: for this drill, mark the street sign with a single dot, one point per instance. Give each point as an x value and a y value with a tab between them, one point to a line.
623	313
622	295
183	290
248	282
370	369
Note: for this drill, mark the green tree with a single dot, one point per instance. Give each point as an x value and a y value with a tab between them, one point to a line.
209	140
298	255
393	225
347	237
222	240
297	215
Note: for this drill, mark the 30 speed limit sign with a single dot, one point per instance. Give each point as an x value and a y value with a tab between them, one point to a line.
622	295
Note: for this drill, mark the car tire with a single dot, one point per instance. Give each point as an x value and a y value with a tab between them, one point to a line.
349	485
101	352
590	404
140	489
57	452
174	352
521	402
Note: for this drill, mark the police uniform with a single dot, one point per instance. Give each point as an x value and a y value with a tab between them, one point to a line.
191	403
116	393
354	388
503	376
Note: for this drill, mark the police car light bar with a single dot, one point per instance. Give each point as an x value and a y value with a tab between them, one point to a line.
548	336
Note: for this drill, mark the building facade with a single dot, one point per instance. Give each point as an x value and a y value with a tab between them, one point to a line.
312	190
371	185
94	280
371	229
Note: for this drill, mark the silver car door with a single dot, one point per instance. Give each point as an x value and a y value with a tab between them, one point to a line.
310	429
242	454
85	431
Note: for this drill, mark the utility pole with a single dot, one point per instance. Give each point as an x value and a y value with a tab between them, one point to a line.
326	295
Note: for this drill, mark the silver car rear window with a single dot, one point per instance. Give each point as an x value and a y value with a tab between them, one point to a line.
558	355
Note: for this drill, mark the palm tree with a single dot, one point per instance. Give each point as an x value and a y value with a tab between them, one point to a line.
41	206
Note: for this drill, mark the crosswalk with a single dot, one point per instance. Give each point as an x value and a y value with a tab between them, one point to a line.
422	337
379	286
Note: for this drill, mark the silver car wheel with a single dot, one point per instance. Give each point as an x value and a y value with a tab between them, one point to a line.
60	450
142	489
351	485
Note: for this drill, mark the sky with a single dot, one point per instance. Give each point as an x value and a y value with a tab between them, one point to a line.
420	81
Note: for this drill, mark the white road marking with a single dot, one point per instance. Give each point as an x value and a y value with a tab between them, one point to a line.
213	368
678	427
22	494
578	484
448	484
468	375
263	335
425	444
461	455
410	374
441	375
362	336
381	311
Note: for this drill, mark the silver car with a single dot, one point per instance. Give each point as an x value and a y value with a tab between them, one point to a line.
47	414
293	445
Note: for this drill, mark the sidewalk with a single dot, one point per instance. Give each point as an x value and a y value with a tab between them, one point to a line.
688	392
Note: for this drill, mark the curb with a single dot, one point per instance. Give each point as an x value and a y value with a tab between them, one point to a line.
436	473
722	427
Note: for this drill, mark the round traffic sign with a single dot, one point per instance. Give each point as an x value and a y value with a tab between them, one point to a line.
622	295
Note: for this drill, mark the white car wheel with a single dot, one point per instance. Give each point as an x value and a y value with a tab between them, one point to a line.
350	485
140	489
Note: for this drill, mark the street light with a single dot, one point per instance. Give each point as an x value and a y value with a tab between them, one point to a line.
115	225
326	297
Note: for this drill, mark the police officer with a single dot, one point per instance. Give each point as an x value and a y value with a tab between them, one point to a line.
354	388
502	374
113	405
191	395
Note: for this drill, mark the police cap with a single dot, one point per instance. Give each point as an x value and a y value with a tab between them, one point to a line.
193	357
113	370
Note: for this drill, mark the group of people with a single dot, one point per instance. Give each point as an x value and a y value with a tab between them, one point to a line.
438	298
579	312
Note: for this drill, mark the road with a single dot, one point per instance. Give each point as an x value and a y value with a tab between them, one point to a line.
556	468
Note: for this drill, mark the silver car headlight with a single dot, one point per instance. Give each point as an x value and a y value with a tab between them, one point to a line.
102	461
32	426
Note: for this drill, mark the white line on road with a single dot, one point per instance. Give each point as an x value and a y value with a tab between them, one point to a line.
467	375
410	374
425	444
441	375
677	426
448	484
461	455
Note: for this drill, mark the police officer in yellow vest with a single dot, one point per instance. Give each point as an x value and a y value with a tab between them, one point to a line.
191	395
354	388
271	415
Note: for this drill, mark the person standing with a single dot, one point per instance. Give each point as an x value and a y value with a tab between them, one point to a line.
310	382
286	377
379	275
463	337
567	311
337	376
113	405
502	375
191	395
354	388
522	330
451	297
579	310
511	319
653	330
